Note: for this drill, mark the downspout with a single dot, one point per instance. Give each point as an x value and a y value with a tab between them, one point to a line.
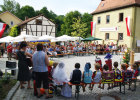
133	45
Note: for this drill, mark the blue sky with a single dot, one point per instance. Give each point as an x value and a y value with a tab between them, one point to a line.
61	7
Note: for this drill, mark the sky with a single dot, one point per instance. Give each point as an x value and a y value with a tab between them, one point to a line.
61	7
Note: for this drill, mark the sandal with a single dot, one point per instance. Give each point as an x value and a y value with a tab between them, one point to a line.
22	87
50	96
29	88
39	96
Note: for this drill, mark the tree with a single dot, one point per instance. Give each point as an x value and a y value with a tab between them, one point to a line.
27	11
14	31
87	18
11	6
66	28
59	21
79	28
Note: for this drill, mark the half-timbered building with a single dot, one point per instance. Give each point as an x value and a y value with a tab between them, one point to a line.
38	26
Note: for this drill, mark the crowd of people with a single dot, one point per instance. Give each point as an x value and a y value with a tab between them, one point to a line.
67	47
43	71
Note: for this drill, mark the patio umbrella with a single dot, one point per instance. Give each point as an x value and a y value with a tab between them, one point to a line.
91	39
46	37
6	39
64	38
76	38
24	37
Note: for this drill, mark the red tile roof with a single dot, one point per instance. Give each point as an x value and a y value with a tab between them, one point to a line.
107	5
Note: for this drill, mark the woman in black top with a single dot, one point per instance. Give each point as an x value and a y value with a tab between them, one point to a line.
23	69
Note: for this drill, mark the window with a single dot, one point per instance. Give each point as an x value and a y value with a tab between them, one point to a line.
38	21
120	17
12	23
99	20
107	18
120	36
107	36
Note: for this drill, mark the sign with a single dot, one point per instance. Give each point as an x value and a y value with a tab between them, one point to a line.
112	29
138	43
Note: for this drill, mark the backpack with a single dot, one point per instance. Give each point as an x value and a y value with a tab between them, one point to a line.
108	77
127	76
118	75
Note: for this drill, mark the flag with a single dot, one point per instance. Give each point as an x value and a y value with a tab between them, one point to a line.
2	28
93	26
127	19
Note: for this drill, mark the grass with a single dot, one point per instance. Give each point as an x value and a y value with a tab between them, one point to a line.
5	87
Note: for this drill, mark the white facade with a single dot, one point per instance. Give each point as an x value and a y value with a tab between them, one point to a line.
32	28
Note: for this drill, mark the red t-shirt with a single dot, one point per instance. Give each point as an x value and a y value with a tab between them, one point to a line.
9	49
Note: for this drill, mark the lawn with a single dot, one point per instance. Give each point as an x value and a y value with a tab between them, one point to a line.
5	87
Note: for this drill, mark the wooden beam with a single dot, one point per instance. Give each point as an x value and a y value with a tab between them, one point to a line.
26	29
41	25
51	30
46	30
36	29
31	30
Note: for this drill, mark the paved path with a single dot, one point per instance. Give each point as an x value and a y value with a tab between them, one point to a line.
25	94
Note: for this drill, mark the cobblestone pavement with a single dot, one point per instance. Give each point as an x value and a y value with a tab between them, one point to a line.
26	94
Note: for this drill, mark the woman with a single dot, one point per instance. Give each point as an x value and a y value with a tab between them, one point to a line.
23	69
40	63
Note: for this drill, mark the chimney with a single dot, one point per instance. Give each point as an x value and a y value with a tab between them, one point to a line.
26	17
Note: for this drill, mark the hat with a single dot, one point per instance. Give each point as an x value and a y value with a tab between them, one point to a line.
108	56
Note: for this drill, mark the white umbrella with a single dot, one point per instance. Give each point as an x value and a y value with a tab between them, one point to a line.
24	37
46	37
6	39
64	38
55	40
76	38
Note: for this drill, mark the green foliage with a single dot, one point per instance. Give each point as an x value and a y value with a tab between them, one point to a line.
64	24
79	28
14	31
126	57
87	18
27	11
66	28
11	6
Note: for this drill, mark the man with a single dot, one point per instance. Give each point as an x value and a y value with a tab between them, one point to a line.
9	51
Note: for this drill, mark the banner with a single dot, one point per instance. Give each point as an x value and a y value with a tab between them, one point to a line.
2	28
93	26
127	19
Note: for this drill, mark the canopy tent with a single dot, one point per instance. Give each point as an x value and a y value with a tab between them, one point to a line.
24	37
46	37
40	41
91	39
6	39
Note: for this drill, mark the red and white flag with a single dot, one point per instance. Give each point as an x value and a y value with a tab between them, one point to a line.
127	19
93	26
2	28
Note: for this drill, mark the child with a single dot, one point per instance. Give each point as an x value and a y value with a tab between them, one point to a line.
109	61
87	76
135	71
117	73
96	75
106	69
59	74
76	75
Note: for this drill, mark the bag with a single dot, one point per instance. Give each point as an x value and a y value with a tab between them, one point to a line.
66	91
29	62
1	73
